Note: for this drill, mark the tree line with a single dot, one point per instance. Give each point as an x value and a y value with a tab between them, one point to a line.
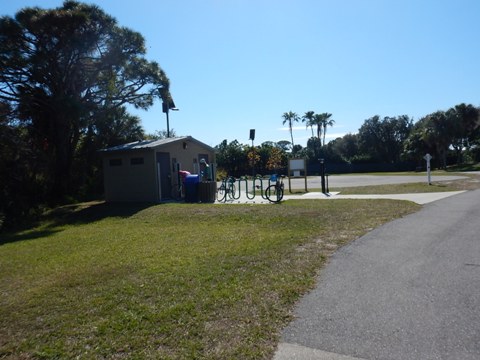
451	137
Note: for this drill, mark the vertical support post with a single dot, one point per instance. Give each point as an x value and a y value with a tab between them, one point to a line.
168	124
322	175
289	178
253	161
252	137
305	178
427	158
179	181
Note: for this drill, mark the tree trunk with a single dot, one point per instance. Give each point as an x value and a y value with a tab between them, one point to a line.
62	162
319	132
291	135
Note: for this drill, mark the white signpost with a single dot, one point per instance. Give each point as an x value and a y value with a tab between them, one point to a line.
428	157
297	168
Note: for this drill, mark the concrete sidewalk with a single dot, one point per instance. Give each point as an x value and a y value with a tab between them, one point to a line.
419	198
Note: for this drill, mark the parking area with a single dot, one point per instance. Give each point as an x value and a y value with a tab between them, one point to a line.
314	182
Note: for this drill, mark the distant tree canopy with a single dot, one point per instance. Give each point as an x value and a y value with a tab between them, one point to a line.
66	77
458	128
387	140
237	159
382	139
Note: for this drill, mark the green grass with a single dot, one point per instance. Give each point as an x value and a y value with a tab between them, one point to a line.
451	170
393	189
464	167
171	281
396	189
383	173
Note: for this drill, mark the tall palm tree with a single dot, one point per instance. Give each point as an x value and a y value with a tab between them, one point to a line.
290	117
317	121
309	119
326	121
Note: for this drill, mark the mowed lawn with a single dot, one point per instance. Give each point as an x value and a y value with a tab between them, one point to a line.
169	281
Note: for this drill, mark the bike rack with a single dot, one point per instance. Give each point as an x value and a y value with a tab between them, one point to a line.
258	184
242	179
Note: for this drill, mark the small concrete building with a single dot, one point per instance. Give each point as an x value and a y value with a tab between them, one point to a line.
149	171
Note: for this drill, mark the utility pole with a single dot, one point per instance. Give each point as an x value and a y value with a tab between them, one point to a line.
252	137
167	105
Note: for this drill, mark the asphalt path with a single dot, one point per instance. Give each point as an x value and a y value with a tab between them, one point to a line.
407	290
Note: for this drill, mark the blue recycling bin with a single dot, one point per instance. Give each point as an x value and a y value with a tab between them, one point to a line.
191	188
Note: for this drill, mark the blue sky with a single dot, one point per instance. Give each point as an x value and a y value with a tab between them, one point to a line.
236	65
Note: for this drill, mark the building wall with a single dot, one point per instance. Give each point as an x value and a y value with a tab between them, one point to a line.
126	179
187	156
131	180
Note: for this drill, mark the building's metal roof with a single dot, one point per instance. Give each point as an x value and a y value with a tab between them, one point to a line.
148	144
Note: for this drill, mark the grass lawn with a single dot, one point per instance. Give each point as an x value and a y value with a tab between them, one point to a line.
169	281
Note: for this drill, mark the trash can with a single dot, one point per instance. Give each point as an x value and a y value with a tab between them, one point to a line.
207	191
191	188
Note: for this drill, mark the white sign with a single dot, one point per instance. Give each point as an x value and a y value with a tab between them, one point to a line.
297	164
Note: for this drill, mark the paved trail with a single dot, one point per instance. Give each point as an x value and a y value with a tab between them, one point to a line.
408	290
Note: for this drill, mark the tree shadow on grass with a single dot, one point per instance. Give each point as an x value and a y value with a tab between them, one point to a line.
29	235
75	214
85	213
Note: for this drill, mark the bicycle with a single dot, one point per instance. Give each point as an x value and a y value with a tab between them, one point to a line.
274	192
226	189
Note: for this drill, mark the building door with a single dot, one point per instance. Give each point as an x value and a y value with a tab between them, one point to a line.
212	171
164	176
203	156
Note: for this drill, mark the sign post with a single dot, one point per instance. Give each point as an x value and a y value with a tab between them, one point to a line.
297	168
252	137
428	157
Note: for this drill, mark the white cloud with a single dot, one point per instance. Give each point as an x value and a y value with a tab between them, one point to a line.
294	128
328	136
334	135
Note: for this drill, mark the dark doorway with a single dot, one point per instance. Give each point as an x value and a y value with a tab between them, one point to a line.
164	176
203	156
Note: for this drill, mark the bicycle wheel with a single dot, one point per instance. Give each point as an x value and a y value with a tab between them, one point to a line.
274	194
231	191
221	193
